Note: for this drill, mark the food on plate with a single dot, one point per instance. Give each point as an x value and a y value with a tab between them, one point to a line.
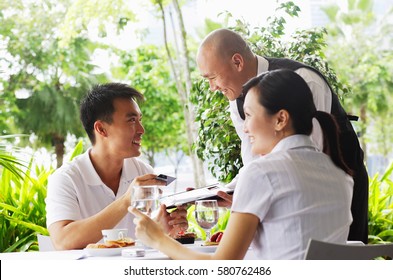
185	237
210	243
214	239
124	242
101	245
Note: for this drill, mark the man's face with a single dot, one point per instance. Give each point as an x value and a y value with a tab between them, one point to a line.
223	75
126	130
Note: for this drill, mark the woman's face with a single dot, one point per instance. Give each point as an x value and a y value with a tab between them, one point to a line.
259	125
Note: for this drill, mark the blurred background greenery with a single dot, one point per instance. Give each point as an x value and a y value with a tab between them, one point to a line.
49	57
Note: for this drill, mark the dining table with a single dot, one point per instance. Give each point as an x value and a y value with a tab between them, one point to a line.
133	252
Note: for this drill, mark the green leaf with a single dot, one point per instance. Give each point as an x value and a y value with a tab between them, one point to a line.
77	150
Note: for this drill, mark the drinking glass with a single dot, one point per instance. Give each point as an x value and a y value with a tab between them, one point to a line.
146	199
206	215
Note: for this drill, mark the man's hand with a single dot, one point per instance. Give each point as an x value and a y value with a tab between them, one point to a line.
147	180
226	199
172	222
144	180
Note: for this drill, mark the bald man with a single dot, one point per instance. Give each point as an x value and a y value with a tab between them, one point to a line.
227	62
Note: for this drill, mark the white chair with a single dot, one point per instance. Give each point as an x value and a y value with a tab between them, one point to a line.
319	250
44	243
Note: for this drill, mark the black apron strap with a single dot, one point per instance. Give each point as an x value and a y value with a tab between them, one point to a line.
240	103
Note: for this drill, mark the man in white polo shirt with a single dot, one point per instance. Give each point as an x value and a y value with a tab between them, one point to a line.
92	192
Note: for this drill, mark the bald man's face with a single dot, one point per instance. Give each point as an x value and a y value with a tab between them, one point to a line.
224	75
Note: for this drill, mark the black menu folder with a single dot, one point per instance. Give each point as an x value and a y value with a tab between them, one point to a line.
208	192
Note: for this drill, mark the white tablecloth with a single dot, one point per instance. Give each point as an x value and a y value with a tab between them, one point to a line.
150	254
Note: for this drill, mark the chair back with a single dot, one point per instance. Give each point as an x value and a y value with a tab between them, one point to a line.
44	243
319	250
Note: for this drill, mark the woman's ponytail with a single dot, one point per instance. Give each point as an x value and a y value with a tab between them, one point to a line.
331	145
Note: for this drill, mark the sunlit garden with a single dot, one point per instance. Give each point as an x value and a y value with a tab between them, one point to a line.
47	65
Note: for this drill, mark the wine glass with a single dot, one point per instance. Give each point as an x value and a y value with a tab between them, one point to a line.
146	199
206	215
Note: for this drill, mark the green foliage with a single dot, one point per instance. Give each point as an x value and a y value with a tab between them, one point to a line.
77	150
53	78
380	212
22	202
22	209
360	49
200	232
147	70
80	13
7	160
217	141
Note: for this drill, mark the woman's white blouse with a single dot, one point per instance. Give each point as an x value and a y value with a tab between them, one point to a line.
297	193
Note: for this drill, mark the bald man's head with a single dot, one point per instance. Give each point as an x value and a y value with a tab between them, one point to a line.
225	60
224	43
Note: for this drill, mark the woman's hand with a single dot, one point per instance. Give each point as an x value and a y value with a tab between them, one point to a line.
146	230
149	231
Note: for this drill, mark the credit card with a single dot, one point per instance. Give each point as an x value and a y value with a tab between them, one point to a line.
166	178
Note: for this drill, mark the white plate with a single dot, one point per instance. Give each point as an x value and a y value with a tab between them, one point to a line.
105	252
207	249
197	246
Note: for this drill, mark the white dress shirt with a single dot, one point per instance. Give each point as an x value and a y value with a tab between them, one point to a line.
297	193
75	191
322	100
